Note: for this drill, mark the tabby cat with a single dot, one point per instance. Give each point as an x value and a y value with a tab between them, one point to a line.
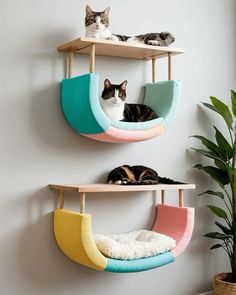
113	104
97	26
137	175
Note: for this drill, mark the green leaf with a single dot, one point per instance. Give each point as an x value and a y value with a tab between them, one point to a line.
209	144
232	176
211	107
217	174
218	194
216	246
223	144
223	110
224	229
216	235
233	99
210	155
218	211
221	166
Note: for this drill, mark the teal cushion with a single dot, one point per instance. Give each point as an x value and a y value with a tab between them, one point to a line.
81	106
115	265
163	97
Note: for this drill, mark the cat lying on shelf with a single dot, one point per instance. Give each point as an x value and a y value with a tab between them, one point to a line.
97	26
137	175
113	104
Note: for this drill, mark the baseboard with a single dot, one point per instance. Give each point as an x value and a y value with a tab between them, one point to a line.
206	293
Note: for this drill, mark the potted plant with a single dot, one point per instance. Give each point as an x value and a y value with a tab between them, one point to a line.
222	152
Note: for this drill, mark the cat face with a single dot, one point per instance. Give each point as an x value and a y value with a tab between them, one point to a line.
114	94
97	20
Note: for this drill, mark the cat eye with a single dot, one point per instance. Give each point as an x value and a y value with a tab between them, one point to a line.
107	96
89	22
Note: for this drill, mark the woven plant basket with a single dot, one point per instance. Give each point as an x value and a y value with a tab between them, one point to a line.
222	286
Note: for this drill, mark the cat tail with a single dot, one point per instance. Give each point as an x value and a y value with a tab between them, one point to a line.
141	182
165	180
167	37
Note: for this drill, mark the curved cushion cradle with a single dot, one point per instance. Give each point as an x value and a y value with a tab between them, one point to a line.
81	107
74	236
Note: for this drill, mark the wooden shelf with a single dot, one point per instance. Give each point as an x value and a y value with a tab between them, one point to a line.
101	187
118	49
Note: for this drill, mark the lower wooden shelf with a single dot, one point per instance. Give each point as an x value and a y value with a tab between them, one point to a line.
101	187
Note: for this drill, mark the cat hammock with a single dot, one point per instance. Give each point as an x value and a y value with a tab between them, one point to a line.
80	95
81	107
73	231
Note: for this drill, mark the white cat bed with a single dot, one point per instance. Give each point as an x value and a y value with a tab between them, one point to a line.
133	245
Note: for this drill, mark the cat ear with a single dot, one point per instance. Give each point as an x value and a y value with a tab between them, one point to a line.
123	85
107	83
106	11
88	10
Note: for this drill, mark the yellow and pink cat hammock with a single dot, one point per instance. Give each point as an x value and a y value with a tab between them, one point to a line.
73	230
73	233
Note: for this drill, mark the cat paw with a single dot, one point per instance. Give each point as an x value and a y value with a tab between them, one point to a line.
118	182
153	42
113	38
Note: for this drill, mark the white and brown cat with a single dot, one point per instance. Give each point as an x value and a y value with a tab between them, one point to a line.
97	26
114	106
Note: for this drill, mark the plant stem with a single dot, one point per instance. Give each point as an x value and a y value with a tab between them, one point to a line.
233	188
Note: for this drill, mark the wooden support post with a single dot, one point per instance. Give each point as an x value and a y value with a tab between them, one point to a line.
169	65
69	63
162	197
181	201
92	58
61	199
153	70
82	203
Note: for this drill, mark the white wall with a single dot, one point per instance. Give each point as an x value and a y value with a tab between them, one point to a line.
38	147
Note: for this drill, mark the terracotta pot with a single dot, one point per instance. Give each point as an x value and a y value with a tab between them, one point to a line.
222	285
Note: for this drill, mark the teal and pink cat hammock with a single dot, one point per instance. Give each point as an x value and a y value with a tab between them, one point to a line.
73	230
80	95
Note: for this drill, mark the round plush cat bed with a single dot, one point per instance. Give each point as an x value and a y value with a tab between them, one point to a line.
133	245
82	110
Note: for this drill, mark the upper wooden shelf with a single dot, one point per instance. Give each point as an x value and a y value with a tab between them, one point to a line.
101	187
118	49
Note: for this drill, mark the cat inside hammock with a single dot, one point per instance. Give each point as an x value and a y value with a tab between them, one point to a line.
97	26
113	104
137	175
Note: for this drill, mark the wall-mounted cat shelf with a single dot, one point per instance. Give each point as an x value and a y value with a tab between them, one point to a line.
80	100
93	47
74	236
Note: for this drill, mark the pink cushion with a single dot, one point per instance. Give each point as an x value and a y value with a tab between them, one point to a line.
176	222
